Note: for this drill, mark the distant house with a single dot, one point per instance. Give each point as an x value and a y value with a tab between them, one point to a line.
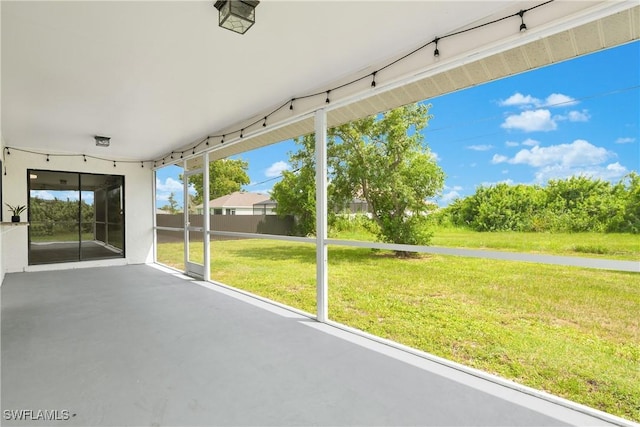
241	203
267	207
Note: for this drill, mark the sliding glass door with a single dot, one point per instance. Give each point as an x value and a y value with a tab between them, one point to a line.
75	217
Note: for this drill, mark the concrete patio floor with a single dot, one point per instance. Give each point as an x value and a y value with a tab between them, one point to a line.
136	345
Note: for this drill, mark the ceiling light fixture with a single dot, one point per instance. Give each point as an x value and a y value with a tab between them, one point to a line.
102	141
236	15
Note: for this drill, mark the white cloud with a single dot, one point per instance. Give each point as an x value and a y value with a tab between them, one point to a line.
612	171
579	116
574	116
530	142
492	184
530	121
68	195
42	194
627	140
169	185
578	153
519	99
450	197
435	156
527	142
61	195
559	100
565	160
88	197
499	158
617	169
483	147
505	171
162	197
276	169
527	101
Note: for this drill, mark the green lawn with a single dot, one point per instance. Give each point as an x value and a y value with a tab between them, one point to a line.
570	331
596	245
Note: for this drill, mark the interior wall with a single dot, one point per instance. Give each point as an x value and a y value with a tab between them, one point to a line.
138	207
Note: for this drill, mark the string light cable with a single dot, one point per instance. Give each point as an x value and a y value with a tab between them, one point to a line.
48	156
372	75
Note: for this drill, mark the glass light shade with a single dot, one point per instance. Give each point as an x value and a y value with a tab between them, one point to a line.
237	15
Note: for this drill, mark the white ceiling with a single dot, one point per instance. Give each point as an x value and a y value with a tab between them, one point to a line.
158	76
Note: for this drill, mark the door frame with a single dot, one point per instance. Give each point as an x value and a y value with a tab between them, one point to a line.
191	268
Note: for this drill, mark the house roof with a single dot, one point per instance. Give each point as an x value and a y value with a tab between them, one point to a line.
265	203
239	199
161	76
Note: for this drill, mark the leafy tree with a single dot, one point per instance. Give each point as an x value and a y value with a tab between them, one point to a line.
574	204
385	161
580	203
172	207
58	217
626	217
381	159
500	207
225	177
296	192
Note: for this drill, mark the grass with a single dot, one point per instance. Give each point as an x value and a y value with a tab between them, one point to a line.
570	331
596	245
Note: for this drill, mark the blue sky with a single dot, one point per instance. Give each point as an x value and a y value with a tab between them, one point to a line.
577	117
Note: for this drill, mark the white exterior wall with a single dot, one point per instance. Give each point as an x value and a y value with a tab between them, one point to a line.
138	208
239	210
2	228
1	171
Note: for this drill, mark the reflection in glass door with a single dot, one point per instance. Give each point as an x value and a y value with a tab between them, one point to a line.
75	217
54	211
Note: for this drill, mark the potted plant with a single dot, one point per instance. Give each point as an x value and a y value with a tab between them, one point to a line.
16	211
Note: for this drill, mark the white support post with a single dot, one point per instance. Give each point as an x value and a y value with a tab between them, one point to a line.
205	215
155	220
185	214
322	297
